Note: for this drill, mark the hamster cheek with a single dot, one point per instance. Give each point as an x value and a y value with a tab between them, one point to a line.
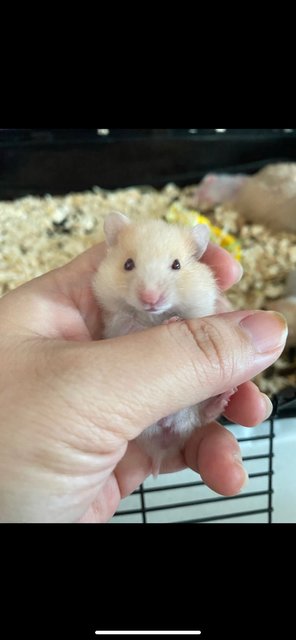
172	294
131	297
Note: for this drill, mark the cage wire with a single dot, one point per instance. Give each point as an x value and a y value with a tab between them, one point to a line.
191	501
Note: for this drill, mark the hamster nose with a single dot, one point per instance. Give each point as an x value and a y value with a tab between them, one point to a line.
148	296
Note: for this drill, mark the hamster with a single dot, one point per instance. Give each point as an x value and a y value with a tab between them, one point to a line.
287	306
214	189
152	275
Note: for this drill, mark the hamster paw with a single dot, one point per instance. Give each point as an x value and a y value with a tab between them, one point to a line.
214	407
156	464
172	319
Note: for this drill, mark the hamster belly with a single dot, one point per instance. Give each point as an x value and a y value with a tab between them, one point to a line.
168	435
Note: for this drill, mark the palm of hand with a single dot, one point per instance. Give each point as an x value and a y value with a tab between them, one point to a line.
87	482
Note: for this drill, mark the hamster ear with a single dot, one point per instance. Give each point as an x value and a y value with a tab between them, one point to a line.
201	236
113	224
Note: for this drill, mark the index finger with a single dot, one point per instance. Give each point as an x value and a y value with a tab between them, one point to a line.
227	270
87	261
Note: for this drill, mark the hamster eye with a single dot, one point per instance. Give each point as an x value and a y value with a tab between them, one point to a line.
129	265
176	264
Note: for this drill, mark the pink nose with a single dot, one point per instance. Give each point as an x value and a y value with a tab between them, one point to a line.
148	296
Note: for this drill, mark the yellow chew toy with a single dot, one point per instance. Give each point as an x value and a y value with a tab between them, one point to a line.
178	213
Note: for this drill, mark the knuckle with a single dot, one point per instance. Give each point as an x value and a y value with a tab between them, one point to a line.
211	355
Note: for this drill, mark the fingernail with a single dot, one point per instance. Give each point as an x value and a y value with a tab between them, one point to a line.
239	271
267	329
268	404
238	458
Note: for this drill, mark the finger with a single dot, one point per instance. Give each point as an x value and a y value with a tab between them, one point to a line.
248	406
87	261
156	372
225	476
227	270
132	469
74	281
105	505
130	472
136	466
214	453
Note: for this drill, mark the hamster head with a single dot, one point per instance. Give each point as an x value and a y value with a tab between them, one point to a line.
153	267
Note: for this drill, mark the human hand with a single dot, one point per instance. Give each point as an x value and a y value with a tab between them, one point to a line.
72	404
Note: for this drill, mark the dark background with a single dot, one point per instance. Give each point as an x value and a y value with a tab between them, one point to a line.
56	161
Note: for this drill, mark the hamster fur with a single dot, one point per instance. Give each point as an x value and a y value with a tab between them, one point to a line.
151	275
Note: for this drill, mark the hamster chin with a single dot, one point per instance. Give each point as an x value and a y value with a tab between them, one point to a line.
168	310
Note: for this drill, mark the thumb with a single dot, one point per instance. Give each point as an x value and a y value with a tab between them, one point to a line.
130	382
